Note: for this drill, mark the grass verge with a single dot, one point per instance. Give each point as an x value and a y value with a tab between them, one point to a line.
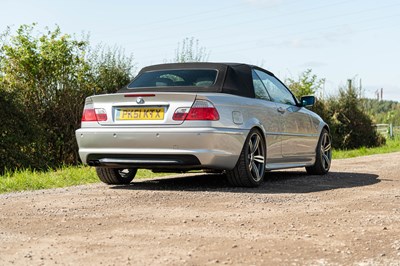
64	177
79	175
392	145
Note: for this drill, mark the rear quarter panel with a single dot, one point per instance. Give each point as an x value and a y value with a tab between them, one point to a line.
247	113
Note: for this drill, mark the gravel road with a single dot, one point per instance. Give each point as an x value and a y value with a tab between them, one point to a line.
349	217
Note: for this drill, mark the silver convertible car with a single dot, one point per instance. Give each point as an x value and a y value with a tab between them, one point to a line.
233	118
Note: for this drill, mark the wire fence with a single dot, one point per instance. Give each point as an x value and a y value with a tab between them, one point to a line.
388	130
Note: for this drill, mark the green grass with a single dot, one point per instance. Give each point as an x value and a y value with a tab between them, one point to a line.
64	177
392	145
79	175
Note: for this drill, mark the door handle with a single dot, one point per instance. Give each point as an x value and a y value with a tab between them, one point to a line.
281	110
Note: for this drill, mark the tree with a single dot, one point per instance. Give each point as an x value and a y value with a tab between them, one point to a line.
351	126
50	74
111	69
19	145
190	51
306	84
383	111
309	84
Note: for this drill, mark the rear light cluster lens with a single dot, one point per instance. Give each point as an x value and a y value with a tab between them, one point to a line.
97	114
200	110
181	113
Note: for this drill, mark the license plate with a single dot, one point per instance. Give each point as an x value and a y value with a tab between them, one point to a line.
140	114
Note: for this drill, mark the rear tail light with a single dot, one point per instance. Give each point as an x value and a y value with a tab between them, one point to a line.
200	110
181	113
94	114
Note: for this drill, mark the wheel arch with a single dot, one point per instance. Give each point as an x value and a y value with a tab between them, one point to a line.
254	123
325	126
249	170
321	128
263	134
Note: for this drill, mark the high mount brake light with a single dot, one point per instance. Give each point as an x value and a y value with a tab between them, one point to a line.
139	95
94	115
200	110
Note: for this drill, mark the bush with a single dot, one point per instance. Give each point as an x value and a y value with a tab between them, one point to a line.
306	84
351	126
20	137
49	75
111	69
190	51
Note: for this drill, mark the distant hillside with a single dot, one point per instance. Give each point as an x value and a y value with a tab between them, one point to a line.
387	112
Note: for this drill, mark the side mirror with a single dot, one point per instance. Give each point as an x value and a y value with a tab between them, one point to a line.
306	101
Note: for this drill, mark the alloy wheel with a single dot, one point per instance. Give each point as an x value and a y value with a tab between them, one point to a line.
256	157
125	173
326	151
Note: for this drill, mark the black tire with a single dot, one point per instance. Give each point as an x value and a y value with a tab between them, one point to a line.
323	157
115	176
250	168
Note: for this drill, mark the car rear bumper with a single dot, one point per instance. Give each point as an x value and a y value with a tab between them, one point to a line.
177	148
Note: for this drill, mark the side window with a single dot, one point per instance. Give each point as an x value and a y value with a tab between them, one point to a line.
259	89
278	92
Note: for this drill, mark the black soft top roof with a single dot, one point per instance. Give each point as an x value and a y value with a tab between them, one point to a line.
232	78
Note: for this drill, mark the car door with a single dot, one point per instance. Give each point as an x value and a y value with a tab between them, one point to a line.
296	127
270	120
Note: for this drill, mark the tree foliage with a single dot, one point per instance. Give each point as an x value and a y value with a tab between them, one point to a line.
190	51
45	77
49	75
386	112
111	69
306	84
20	137
351	126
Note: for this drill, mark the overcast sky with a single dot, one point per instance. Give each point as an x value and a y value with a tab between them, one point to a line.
337	39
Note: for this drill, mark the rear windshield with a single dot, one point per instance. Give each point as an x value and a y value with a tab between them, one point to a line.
174	78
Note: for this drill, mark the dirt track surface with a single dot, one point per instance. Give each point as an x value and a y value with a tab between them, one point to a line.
351	216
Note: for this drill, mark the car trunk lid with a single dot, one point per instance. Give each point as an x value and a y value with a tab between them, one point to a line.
129	109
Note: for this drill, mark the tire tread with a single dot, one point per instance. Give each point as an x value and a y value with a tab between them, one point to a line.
111	176
239	175
317	168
